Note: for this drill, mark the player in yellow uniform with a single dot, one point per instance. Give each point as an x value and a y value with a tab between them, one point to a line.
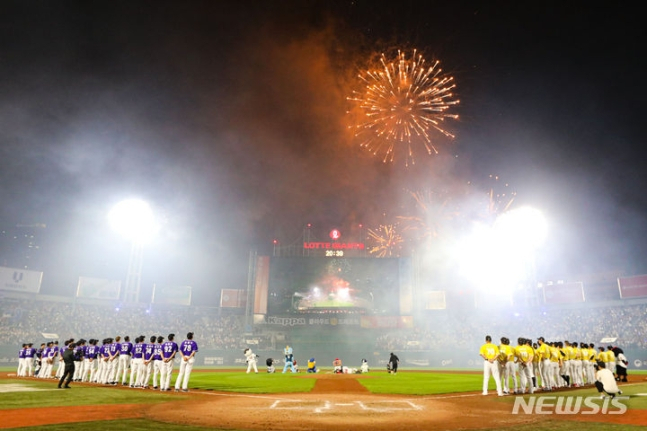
490	353
554	364
524	354
506	365
593	359
584	348
543	362
602	356
576	364
611	364
535	364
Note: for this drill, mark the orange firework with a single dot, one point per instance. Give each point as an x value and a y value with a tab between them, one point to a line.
387	241
433	210
402	102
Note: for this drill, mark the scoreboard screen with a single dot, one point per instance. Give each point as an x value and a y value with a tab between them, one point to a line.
300	285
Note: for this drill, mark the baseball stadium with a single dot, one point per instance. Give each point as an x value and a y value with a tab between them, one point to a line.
343	306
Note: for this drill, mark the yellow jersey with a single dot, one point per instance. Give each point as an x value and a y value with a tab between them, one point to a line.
489	351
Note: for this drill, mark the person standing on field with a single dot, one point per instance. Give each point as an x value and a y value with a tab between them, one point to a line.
188	349
490	353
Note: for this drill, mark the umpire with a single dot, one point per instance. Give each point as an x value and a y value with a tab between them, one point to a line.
68	373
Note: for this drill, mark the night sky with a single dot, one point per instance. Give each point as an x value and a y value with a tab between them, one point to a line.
229	118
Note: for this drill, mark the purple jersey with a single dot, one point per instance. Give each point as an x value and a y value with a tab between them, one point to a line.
138	350
91	352
157	352
114	349
148	351
126	348
30	352
21	354
188	346
104	351
168	349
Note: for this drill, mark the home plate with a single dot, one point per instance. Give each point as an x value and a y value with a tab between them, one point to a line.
19	387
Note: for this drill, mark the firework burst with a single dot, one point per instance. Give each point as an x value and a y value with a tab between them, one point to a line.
432	212
402	103
387	241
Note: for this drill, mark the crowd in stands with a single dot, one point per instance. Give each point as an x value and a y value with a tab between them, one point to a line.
24	321
465	330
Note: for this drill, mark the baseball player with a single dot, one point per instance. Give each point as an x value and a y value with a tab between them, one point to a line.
610	363
524	354
543	352
30	352
104	357
364	367
250	358
506	365
157	360
490	353
394	361
125	354
188	349
90	361
21	361
147	363
79	352
169	350
137	361
113	361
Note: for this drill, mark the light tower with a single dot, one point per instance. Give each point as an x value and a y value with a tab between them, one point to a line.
135	221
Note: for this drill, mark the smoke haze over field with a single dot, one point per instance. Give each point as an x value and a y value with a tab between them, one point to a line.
229	118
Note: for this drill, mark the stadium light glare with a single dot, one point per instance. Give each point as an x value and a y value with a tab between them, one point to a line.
134	220
497	258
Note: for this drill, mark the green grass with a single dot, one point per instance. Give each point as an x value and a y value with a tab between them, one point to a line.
261	383
80	394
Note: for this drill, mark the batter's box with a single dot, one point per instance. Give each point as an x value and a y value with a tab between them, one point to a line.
389	406
328	406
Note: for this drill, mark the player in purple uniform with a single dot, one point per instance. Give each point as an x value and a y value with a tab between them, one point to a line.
147	365
79	352
115	349
187	350
157	360
169	350
90	361
21	361
104	357
124	360
137	362
30	352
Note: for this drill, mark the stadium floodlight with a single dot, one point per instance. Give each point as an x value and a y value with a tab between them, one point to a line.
135	221
500	258
523	229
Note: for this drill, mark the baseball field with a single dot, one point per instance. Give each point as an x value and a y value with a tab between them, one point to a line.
228	399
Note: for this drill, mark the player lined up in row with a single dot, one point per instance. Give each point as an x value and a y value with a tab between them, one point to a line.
547	365
114	361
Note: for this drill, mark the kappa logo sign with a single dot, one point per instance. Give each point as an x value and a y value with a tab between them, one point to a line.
553	405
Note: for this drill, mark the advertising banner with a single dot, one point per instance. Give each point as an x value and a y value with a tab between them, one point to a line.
173	295
233	298
20	280
632	287
564	293
98	288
